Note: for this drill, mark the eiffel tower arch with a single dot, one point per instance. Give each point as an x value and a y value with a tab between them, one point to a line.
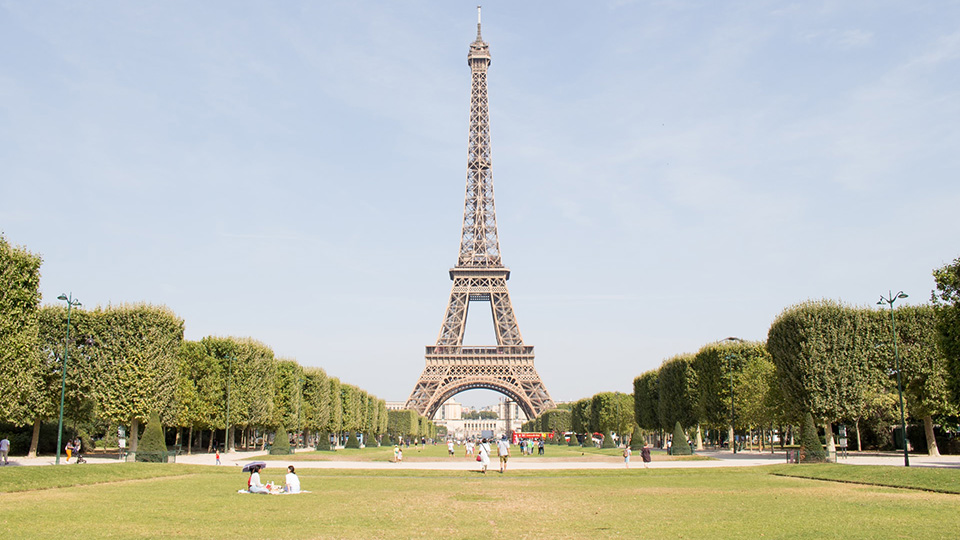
479	276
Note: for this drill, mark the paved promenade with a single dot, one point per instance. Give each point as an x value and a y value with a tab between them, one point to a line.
516	463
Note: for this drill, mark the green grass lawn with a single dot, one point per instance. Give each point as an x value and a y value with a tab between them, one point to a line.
128	500
439	453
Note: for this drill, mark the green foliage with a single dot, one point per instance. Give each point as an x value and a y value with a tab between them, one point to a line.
352	440
608	440
946	301
288	394
611	411
152	447
746	366
646	400
134	360
21	370
826	358
677	391
336	406
581	416
636	438
403	423
281	443
680	446
556	420
316	399
811	449
323	441
573	440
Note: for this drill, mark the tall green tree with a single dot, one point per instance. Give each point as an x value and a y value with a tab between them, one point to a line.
925	372
946	301
677	391
646	400
200	393
135	362
827	362
316	400
288	395
336	406
21	370
582	417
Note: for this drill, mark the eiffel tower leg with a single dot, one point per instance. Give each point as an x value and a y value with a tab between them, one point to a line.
455	320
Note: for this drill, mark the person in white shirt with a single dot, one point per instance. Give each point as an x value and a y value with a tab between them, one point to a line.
4	449
484	453
253	484
292	481
503	450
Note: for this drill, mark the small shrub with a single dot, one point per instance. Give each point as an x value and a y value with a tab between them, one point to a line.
573	440
353	441
680	446
323	442
636	438
152	447
608	441
281	443
811	450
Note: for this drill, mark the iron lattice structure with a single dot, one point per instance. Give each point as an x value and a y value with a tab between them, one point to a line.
479	276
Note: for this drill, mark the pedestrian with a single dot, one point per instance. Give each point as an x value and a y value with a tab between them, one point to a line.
645	455
540	448
69	449
77	445
484	453
626	455
4	448
218	456
450	447
292	481
503	450
400	455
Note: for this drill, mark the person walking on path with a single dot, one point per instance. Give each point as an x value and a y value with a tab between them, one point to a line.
4	449
484	454
218	456
645	455
503	450
626	455
69	449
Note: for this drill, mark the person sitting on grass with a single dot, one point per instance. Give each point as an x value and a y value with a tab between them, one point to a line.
292	481
253	483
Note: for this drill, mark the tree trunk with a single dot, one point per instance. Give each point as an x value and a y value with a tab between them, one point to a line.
699	438
730	441
190	441
856	425
792	441
828	434
176	440
35	440
134	434
932	449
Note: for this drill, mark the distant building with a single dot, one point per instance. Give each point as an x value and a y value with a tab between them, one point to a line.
450	415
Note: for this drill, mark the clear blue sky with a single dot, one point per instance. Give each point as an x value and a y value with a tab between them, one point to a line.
667	173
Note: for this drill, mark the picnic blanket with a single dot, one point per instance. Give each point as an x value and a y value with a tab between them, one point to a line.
243	491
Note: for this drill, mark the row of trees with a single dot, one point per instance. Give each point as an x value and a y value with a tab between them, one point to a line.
833	361
128	361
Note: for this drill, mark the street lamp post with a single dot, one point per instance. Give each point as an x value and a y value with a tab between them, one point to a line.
889	300
733	415
71	301
226	435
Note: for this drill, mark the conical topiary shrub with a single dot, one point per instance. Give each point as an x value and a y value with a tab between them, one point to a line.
811	451
636	438
152	447
680	446
608	441
573	439
353	441
323	441
281	443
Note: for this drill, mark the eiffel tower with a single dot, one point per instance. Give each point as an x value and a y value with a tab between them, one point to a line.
479	276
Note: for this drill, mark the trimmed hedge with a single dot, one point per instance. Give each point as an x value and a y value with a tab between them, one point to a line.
353	441
811	451
152	447
680	446
323	442
281	443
